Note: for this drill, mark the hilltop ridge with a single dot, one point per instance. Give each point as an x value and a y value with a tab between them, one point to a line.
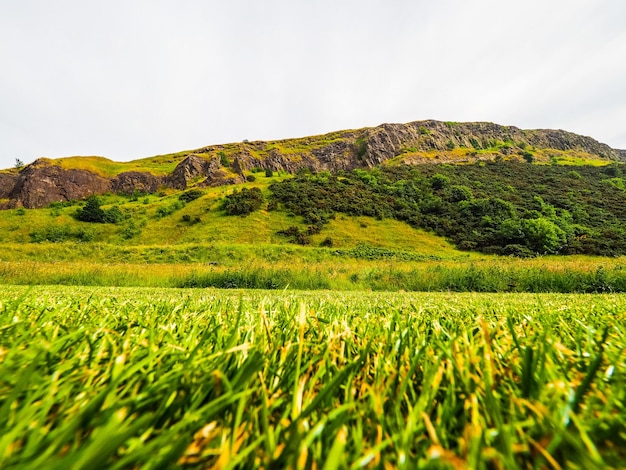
46	180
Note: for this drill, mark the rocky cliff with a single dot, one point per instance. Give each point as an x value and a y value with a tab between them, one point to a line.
46	181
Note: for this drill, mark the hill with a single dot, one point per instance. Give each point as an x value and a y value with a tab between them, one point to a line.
65	179
303	212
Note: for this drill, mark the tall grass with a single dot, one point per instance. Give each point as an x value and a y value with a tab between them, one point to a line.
155	378
430	276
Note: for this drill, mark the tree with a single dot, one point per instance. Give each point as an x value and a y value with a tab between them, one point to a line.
543	236
18	163
91	212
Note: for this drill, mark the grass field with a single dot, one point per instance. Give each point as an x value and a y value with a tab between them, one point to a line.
202	378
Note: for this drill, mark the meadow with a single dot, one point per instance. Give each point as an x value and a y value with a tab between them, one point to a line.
202	378
192	330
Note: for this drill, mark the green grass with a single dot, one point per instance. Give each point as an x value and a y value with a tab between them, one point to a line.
157	378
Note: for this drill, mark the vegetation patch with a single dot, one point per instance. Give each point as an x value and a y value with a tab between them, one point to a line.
368	252
243	202
506	207
156	378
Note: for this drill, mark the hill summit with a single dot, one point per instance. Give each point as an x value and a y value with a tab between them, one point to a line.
46	180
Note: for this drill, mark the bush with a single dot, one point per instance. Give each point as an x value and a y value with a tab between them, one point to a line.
191	220
164	211
54	234
439	181
113	215
91	211
543	236
296	235
243	202
130	231
224	160
190	195
518	251
327	242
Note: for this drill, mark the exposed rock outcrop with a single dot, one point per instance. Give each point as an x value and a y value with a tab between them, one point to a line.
41	183
194	168
132	181
7	183
44	182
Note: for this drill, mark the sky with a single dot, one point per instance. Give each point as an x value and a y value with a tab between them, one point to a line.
128	79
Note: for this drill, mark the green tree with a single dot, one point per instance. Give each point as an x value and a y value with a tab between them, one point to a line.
91	211
439	181
543	236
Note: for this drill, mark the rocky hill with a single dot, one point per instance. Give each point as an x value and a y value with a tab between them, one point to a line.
46	181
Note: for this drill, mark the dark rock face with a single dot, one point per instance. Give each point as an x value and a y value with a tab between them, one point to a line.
191	168
388	140
43	182
132	181
7	183
39	184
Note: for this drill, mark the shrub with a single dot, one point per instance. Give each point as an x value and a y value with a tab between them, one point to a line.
361	147
113	215
439	181
130	231
243	202
190	195
164	211
54	234
191	220
224	160
460	193
328	242
296	235
543	236
85	235
91	211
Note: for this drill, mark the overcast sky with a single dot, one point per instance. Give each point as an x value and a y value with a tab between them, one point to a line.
128	79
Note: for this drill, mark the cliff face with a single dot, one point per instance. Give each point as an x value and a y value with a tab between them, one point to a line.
40	183
43	182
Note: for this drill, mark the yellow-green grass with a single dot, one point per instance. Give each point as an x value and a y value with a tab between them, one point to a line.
261	227
279	266
165	164
158	165
159	378
464	155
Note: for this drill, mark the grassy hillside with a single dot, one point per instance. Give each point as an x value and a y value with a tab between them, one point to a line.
165	164
186	238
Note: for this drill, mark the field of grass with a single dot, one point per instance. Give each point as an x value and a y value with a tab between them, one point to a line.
355	267
160	378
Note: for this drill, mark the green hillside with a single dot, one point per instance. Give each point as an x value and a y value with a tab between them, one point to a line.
425	227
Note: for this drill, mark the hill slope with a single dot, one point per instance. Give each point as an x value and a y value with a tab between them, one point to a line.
65	179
